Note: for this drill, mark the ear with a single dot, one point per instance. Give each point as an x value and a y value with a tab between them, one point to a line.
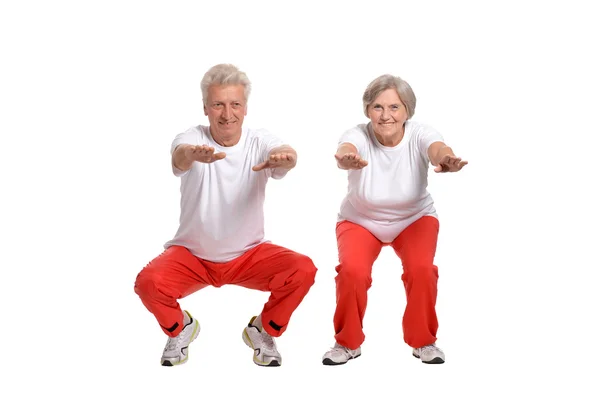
205	111
246	110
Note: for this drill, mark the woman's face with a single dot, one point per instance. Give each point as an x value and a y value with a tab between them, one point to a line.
387	114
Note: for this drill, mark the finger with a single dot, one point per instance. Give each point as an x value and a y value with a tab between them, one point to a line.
219	155
260	166
363	162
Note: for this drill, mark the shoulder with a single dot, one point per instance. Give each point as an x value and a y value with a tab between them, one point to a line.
417	126
420	130
196	131
357	131
258	133
361	128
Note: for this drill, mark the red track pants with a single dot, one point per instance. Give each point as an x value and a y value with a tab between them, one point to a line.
176	273
358	249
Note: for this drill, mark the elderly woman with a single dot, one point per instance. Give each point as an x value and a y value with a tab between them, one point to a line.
388	204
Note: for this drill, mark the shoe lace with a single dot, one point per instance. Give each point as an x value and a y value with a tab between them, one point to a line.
268	341
173	343
339	348
429	348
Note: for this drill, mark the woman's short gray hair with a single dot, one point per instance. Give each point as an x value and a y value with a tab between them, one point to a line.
224	74
384	82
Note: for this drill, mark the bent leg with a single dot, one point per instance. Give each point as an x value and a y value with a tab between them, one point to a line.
288	275
170	276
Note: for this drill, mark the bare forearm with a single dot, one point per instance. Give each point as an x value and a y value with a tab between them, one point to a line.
441	153
344	149
179	159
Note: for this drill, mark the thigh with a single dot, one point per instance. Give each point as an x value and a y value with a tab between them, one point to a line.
416	245
176	272
357	247
267	265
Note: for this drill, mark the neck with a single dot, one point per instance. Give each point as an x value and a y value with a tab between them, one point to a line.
229	141
390	141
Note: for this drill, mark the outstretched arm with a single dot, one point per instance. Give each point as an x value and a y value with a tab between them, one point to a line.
186	154
443	158
282	157
347	157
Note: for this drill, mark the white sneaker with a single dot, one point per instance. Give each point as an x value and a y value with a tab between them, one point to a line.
430	354
265	350
176	351
340	355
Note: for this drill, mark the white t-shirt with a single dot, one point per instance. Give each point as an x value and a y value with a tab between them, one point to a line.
222	202
390	193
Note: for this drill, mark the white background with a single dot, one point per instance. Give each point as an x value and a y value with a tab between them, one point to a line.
92	94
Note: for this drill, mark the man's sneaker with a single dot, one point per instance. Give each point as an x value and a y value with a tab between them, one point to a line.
176	351
430	354
339	355
265	350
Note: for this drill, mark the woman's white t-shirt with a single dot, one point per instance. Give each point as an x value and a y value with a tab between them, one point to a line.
389	193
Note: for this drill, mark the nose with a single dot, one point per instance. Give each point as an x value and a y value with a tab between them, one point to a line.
226	114
385	114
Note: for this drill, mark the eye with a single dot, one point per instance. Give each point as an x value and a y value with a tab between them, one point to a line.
395	107
377	106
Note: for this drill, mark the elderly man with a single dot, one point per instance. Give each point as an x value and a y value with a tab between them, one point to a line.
224	169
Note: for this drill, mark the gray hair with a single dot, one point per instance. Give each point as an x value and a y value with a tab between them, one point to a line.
385	82
224	74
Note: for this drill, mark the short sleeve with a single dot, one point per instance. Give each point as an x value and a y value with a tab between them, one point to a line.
426	135
190	136
356	136
267	142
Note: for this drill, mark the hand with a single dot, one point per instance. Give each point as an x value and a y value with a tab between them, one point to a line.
351	160
450	163
202	153
284	159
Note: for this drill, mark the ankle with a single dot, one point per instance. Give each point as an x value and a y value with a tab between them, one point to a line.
258	322
186	318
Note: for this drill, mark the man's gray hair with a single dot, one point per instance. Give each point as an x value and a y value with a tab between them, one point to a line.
224	74
384	82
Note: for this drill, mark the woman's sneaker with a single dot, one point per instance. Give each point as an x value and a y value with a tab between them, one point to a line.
340	355
429	354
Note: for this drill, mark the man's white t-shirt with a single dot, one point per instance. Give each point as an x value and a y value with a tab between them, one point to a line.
222	202
390	193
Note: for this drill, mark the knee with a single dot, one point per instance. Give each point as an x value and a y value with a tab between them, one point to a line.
146	283
306	268
421	273
354	273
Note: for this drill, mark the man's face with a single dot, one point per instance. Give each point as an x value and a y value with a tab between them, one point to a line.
226	108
